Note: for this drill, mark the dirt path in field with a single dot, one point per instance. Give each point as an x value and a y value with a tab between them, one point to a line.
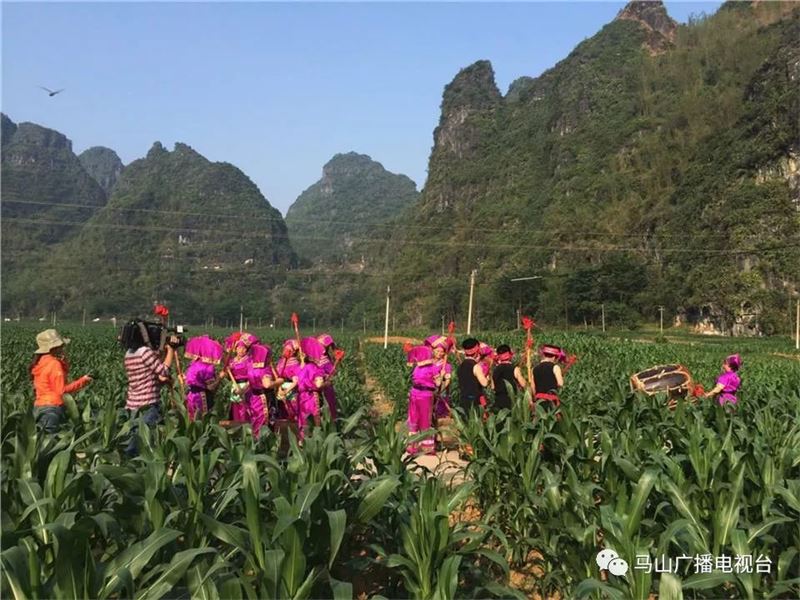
380	404
446	463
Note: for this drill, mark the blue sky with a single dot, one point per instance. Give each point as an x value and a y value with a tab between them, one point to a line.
275	89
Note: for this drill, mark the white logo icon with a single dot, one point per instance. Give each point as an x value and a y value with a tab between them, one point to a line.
608	559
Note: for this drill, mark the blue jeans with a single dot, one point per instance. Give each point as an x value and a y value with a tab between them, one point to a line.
49	418
151	414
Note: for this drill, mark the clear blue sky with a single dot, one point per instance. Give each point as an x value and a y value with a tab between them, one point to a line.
275	89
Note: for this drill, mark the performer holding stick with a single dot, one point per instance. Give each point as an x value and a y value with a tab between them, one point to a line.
204	353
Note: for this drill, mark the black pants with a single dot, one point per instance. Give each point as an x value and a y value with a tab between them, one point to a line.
151	414
49	418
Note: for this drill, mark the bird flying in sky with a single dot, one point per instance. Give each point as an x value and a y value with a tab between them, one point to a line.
50	92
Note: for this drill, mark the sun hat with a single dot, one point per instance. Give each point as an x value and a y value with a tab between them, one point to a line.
49	339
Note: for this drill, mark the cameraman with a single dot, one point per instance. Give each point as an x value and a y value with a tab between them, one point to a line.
146	373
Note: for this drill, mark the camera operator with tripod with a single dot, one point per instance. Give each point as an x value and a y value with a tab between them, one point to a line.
146	372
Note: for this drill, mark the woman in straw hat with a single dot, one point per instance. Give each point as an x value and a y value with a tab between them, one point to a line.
49	371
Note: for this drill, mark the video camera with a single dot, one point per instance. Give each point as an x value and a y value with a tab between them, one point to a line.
137	333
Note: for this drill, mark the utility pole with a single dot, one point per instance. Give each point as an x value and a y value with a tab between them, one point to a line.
241	319
469	310
386	323
603	316
661	319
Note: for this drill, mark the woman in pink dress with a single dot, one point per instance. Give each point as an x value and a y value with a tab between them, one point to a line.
441	347
425	380
728	382
311	382
200	376
288	370
238	367
262	387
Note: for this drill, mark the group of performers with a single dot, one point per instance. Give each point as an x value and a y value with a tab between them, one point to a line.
295	388
263	391
480	369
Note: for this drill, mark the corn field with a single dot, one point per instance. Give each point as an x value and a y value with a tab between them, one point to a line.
209	512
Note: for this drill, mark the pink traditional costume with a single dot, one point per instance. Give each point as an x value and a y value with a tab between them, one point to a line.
288	369
239	367
729	381
424	382
326	364
310	384
441	398
204	353
261	395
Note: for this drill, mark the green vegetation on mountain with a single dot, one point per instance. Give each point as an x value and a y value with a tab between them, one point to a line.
47	195
178	228
103	165
655	165
355	195
658	165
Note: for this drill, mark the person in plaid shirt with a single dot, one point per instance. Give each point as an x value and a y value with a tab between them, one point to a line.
146	373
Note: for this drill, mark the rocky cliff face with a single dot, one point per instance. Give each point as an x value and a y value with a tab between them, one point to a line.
103	165
354	199
653	17
177	228
42	178
616	152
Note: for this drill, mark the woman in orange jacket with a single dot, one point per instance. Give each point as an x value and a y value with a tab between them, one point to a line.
49	372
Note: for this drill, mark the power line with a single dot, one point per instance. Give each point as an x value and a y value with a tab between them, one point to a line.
237	234
258	217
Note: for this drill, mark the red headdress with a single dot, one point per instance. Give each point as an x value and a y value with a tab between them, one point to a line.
554	352
504	356
230	341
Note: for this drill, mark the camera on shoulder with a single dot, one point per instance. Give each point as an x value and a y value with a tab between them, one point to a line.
138	332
